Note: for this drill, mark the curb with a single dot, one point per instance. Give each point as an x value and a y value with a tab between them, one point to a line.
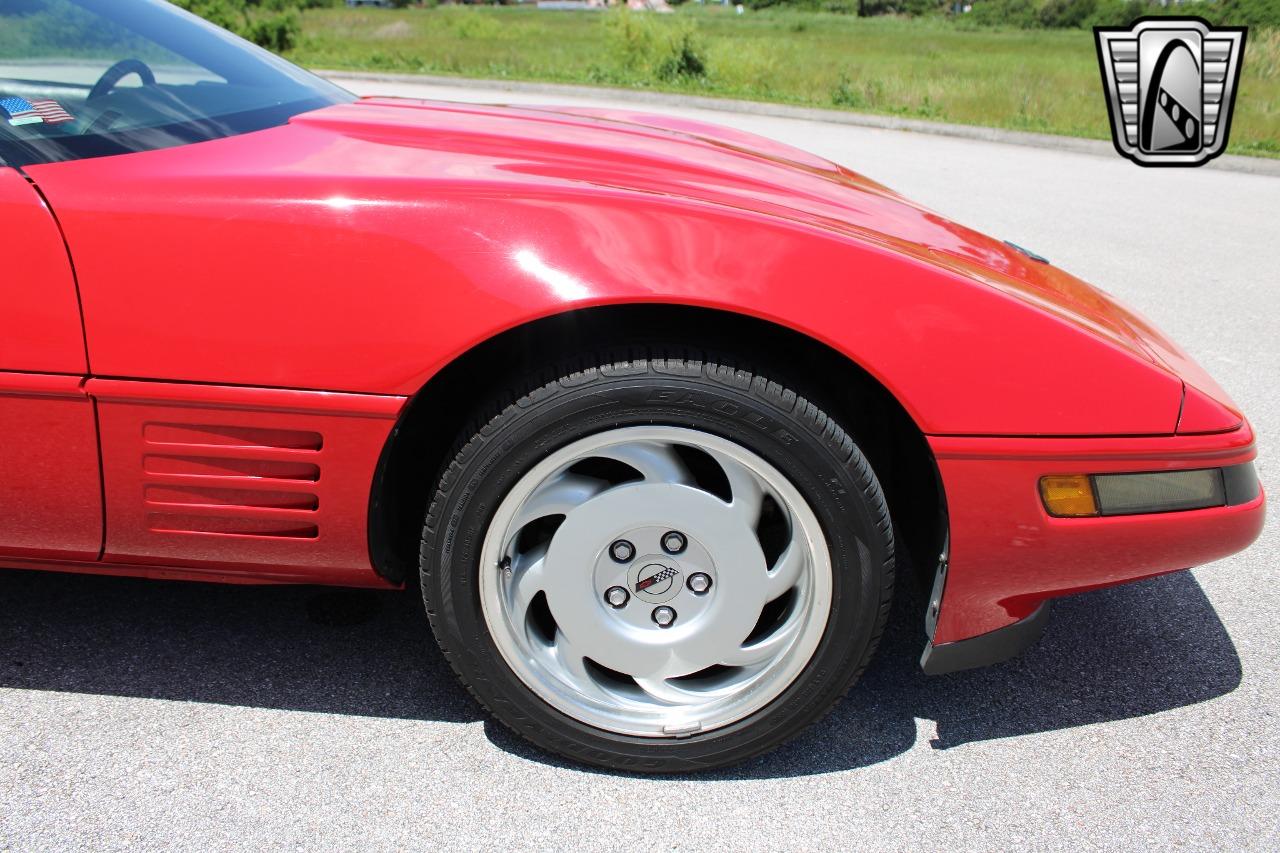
1096	147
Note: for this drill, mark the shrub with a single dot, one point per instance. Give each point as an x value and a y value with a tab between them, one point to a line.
277	32
1115	13
648	46
275	27
1008	13
1027	14
224	13
1066	13
682	57
1250	13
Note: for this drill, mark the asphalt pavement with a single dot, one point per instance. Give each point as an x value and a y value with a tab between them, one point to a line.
140	714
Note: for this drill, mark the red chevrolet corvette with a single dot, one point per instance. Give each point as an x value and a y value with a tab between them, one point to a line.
657	413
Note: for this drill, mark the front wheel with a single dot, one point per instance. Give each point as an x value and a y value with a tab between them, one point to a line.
658	564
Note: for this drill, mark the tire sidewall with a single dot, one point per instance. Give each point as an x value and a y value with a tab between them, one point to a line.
812	452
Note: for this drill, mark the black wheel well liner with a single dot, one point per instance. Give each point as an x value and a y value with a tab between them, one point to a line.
426	434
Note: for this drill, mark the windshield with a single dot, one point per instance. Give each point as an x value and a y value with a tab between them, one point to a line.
88	78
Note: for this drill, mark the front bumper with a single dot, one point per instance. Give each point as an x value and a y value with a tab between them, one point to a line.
1007	556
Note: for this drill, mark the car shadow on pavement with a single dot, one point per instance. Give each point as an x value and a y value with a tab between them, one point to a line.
1108	655
334	651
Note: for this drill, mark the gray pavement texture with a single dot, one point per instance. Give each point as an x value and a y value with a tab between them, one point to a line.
139	714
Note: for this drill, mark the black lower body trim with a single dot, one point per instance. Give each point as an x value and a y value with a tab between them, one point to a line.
991	647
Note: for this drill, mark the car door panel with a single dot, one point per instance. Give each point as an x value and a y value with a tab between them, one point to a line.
50	481
40	327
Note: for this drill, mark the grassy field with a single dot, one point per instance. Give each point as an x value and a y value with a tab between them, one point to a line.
1043	81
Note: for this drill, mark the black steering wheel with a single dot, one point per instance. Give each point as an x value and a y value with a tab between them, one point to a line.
118	72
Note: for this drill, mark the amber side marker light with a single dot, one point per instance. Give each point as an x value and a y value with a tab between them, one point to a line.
1068	496
1088	495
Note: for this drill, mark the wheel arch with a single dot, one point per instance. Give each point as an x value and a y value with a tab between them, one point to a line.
426	435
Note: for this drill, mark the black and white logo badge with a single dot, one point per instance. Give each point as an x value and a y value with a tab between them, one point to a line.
1170	86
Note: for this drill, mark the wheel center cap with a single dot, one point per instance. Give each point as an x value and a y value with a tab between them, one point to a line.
629	638
655	581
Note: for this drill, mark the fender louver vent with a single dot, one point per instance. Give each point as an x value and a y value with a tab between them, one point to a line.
231	481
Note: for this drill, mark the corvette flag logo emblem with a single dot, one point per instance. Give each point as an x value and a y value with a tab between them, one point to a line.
664	576
1170	85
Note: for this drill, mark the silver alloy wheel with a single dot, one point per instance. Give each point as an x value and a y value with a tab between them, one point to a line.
729	650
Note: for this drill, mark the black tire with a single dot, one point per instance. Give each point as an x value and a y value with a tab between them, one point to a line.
691	391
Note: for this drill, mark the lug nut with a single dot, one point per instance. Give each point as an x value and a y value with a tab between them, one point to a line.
622	551
616	596
699	582
674	542
664	616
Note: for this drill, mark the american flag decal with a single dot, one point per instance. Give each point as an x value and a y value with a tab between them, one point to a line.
20	111
51	111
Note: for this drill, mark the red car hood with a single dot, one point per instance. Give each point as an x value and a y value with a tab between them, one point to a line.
542	147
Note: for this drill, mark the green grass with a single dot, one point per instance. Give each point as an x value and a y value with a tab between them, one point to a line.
1037	80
